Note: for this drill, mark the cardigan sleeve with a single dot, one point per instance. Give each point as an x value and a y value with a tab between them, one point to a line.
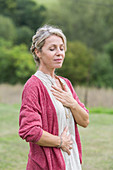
30	123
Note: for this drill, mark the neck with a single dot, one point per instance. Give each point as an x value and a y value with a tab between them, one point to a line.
50	72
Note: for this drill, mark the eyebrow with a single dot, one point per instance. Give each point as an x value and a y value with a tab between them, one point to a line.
56	45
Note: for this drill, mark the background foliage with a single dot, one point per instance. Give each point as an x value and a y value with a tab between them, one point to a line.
16	64
77	63
87	25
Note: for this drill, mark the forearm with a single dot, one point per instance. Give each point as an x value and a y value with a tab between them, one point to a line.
64	141
49	140
79	114
66	98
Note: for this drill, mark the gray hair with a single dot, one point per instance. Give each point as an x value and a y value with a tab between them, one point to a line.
39	38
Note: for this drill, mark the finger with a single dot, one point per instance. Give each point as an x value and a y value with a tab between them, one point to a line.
56	93
69	136
68	151
65	88
71	142
70	147
60	100
66	129
56	88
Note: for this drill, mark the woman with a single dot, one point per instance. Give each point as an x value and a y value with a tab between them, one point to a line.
50	109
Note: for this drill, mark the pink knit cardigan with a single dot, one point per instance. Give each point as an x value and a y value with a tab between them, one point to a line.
38	113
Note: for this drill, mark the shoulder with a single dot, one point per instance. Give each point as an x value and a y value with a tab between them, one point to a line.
33	82
32	85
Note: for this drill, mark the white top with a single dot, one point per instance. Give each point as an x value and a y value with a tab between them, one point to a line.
72	161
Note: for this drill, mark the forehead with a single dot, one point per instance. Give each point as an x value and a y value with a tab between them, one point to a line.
53	39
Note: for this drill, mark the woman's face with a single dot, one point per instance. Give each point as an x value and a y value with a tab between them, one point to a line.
52	54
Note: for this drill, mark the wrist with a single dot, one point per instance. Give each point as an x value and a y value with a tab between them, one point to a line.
74	105
60	142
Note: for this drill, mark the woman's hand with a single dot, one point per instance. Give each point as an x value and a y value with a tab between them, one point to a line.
64	96
66	141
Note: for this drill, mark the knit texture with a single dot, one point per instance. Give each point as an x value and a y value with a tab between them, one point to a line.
38	113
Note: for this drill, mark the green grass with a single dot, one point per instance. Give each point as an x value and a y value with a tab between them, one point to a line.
97	141
13	151
101	110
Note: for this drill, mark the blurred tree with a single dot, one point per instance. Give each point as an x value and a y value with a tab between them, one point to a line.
7	7
7	28
29	13
77	63
23	63
16	63
108	48
24	12
24	35
102	71
89	22
4	43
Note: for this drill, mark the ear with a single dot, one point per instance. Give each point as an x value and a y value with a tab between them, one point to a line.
37	52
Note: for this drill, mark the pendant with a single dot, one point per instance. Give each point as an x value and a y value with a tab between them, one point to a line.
67	116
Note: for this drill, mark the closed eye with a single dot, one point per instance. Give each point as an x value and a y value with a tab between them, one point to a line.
62	49
51	49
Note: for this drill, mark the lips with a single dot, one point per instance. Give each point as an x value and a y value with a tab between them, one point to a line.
58	59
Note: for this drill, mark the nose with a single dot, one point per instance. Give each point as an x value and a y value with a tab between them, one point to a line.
58	52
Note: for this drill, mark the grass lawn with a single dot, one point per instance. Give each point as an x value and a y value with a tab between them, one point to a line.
97	141
13	151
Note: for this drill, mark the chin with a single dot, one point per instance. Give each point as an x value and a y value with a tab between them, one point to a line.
58	66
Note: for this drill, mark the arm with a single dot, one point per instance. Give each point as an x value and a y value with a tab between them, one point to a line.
65	97
80	115
30	123
50	140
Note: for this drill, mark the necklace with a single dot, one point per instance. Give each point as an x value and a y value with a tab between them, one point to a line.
67	114
49	78
67	110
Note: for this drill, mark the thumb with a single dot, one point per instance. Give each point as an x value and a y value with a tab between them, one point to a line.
66	129
65	88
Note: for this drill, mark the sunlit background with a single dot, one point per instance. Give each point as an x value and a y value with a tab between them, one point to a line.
88	26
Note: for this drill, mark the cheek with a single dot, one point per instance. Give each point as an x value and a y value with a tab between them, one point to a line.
48	59
64	55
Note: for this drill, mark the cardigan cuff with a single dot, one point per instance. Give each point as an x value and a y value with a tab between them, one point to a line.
39	136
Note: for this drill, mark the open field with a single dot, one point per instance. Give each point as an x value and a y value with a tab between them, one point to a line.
97	99
97	141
